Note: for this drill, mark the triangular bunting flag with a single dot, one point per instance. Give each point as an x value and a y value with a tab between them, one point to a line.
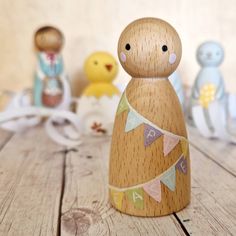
133	121
181	165
153	189
117	198
150	134
169	143
136	196
168	178
123	105
184	146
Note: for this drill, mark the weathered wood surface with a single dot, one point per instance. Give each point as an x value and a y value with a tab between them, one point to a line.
213	205
221	152
45	191
4	137
31	173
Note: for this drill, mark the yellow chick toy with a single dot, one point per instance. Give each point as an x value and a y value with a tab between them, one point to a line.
101	69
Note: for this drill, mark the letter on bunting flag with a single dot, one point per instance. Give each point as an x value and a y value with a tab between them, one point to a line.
133	121
169	143
150	134
117	198
168	178
136	197
181	165
153	189
122	105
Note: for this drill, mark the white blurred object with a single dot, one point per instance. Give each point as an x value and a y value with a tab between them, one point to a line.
97	115
217	116
19	100
176	82
20	115
232	105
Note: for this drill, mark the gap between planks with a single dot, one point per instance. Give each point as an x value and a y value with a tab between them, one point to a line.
5	137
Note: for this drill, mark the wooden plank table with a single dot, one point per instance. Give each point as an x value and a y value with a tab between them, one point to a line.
48	190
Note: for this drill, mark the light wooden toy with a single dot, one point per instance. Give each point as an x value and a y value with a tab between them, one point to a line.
149	172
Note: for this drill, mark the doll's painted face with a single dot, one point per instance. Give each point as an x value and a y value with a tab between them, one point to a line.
101	67
49	39
149	47
210	54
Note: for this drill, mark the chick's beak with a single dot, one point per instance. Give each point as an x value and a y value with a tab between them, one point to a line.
109	67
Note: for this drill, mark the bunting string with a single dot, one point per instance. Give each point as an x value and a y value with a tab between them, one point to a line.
151	187
157	177
151	131
125	105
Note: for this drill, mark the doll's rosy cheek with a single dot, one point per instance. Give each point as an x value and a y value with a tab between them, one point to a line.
122	57
172	58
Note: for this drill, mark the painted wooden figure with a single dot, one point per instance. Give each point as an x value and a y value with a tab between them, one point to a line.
149	172
51	87
97	105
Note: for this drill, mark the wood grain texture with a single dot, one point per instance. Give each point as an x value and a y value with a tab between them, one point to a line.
85	206
30	185
212	210
131	163
145	57
32	180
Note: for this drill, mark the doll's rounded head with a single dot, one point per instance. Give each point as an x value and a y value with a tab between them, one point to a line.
210	54
101	67
49	39
149	47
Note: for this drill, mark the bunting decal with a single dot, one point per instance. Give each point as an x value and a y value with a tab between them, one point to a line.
169	143
168	178
153	189
133	121
182	165
117	198
150	134
151	131
135	194
123	105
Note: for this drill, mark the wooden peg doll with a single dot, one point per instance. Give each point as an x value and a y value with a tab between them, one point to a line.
149	172
51	87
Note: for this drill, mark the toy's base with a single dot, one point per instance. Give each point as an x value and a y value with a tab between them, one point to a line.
150	214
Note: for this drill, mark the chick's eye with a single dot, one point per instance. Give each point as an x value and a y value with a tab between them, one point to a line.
127	47
95	62
164	48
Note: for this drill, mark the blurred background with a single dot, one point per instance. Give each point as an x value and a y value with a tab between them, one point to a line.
96	25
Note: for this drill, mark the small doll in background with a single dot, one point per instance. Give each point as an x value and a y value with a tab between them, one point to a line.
51	87
211	105
209	84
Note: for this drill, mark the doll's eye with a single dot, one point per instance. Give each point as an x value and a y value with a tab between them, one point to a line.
164	48
95	62
127	47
